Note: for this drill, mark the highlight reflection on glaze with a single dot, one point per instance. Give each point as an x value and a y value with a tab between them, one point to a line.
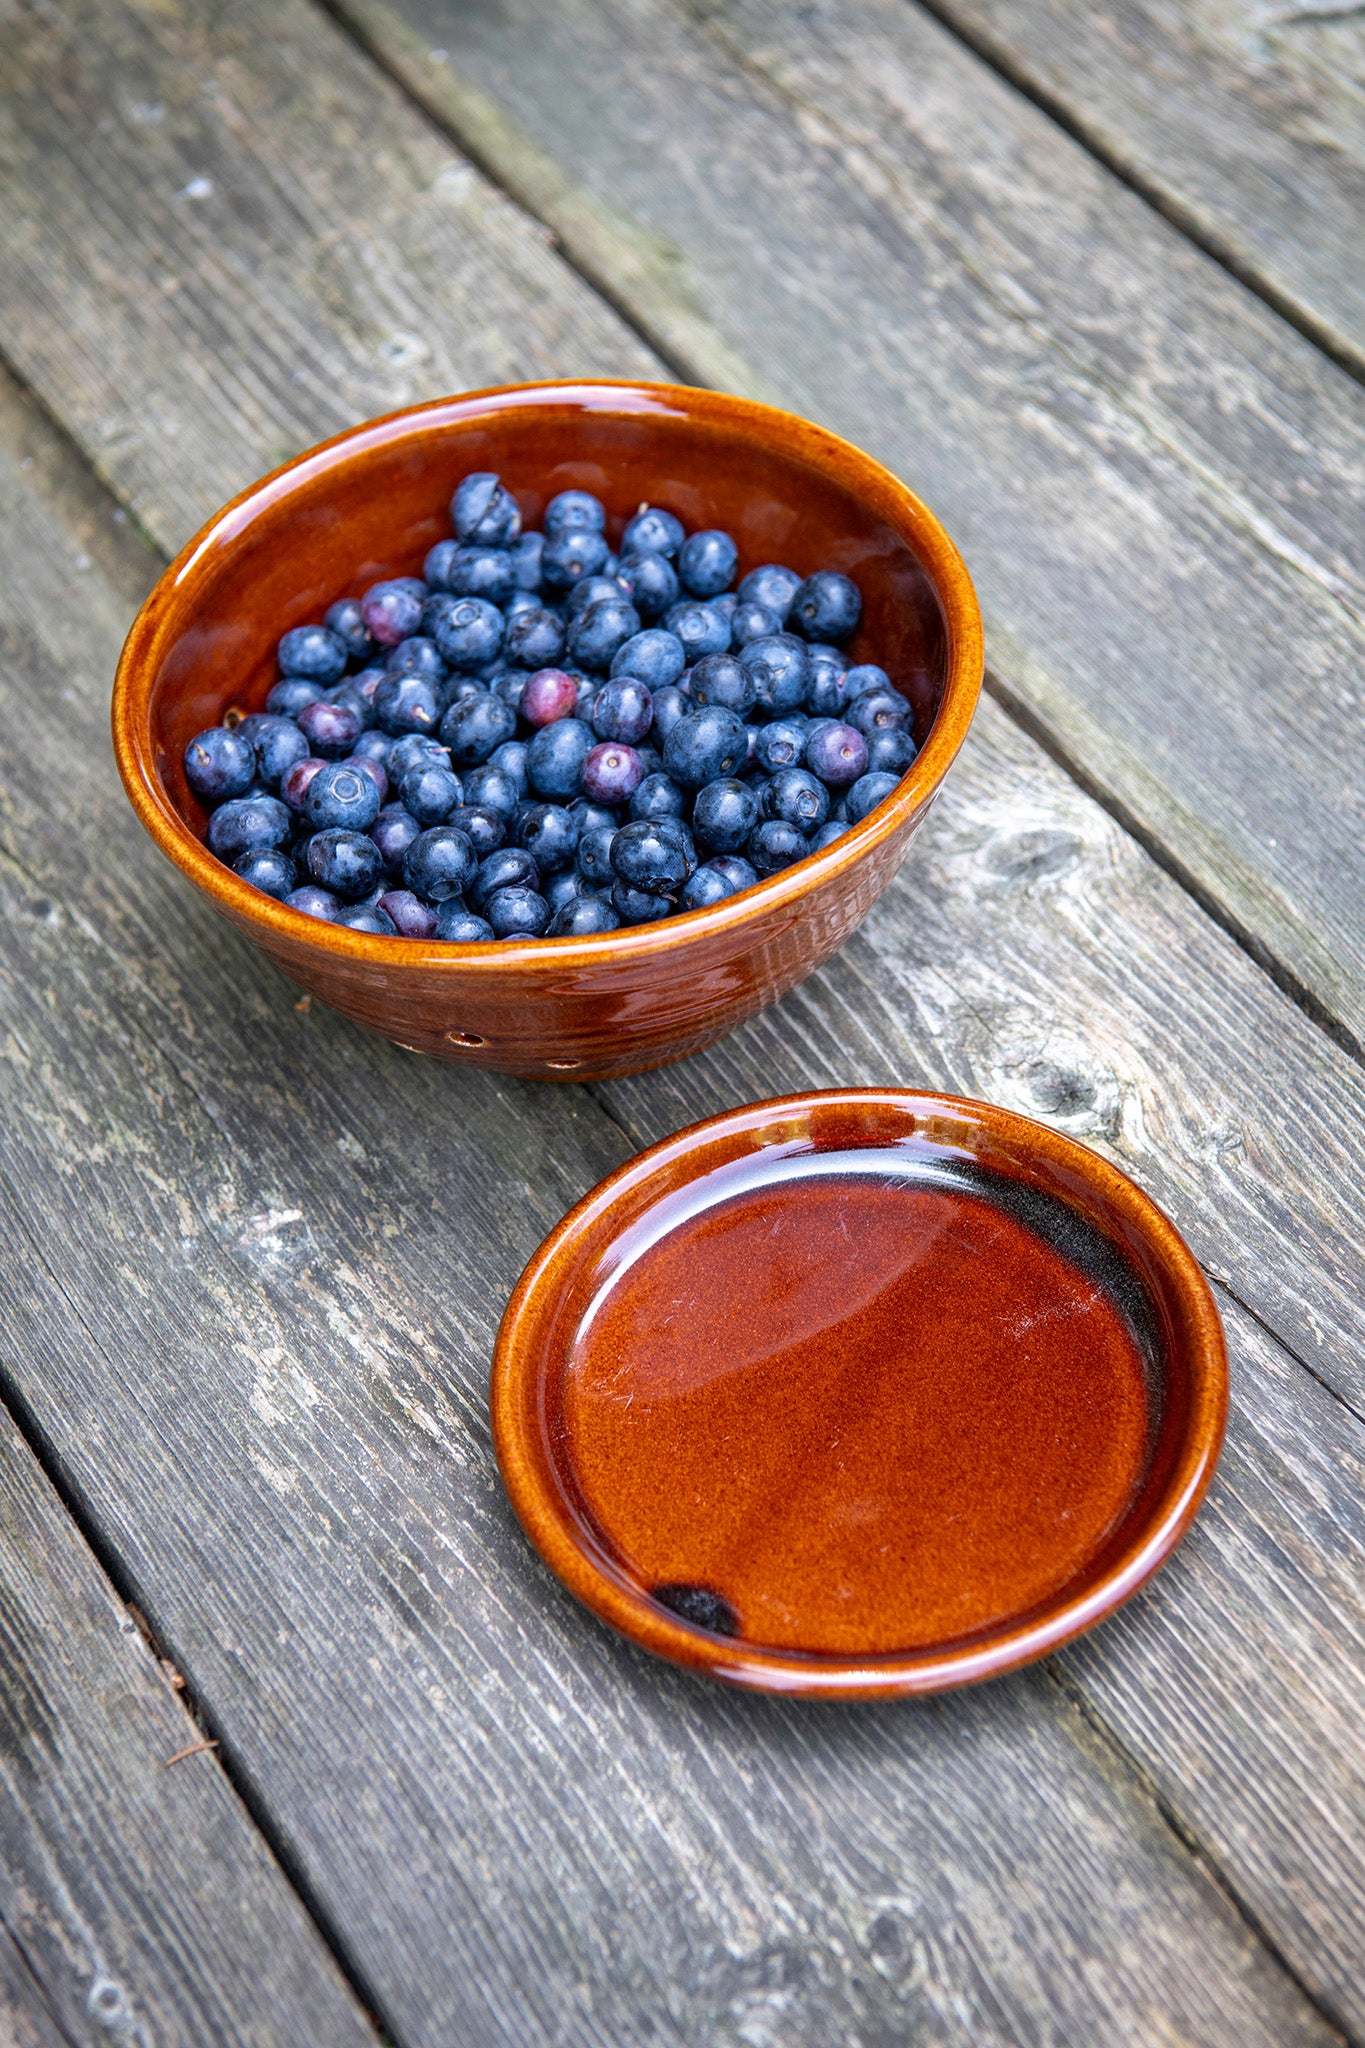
862	1401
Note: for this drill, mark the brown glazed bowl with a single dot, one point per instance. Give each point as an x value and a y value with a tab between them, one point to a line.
909	1390
368	505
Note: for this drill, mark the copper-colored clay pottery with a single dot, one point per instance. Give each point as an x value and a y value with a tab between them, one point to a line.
369	505
859	1393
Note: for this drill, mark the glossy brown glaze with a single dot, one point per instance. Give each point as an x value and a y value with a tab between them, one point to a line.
910	1389
369	504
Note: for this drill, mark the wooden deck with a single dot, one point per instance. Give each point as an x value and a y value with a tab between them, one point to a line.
1091	280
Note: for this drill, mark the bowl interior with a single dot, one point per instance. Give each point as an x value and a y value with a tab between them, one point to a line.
371	504
910	1386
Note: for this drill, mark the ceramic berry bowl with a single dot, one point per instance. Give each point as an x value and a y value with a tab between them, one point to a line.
945	1390
370	505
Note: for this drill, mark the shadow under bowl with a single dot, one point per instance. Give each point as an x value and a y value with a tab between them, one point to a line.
368	505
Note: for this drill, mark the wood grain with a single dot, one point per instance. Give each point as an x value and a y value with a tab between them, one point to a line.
1156	482
262	1357
1244	122
134	1901
223	260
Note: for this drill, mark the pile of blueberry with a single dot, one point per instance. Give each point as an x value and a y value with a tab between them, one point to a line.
538	736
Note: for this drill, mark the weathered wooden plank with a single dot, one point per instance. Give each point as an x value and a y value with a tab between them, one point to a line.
142	1899
1244	124
223	260
292	1249
25	2019
1156	482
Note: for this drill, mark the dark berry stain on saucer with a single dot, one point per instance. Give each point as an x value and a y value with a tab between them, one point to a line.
650	738
857	1402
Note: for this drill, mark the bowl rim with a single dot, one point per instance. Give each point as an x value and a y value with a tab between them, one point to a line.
522	1356
893	500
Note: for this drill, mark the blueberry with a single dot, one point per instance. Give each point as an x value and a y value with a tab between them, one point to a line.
701	628
879	711
867	792
511	867
440	863
639	906
373	746
473	571
314	902
345	620
658	796
393	832
597	632
837	754
483	510
430	793
248	824
315	652
654	657
290	694
278	744
651	583
295	782
485	829
594	855
573	553
646	855
219	763
707	563
773	586
406	753
826	690
268	870
415	656
517	913
587	687
780	667
575	511
470	634
623	710
347	697
798	798
668	705
740	872
582	917
652	532
724	815
365	917
492	789
547	696
391	612
703	745
612	773
411	918
590	815
473	728
555	757
406	704
651	760
712	883
832	829
774	845
862	677
510	757
437	566
720	679
752	621
828	606
347	863
534	639
331	730
460	927
780	745
525	553
589	590
549	833
890	750
341	794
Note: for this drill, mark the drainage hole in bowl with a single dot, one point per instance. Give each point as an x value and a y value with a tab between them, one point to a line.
464	1038
563	1066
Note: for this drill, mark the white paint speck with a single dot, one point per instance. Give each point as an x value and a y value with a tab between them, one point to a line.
198	188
